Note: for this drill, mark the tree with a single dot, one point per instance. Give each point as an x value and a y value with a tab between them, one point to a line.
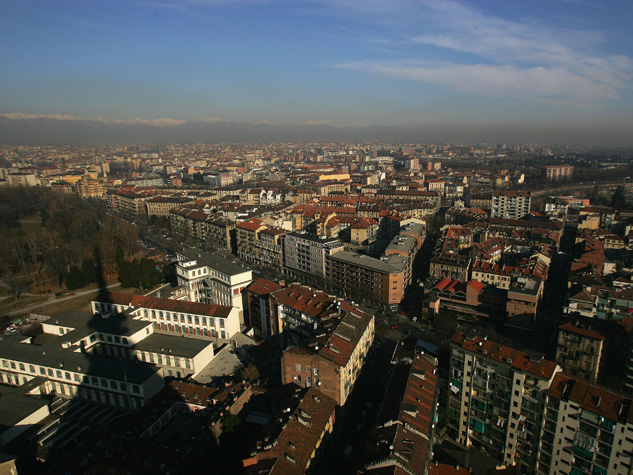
230	423
618	199
251	373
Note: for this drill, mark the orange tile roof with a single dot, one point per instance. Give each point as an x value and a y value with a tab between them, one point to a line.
504	354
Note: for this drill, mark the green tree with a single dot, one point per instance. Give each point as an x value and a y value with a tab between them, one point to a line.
618	199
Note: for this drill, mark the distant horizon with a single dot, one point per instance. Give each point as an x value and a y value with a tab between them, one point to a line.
56	129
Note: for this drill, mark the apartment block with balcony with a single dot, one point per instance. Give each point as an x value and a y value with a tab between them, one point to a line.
510	204
363	277
586	428
307	253
213	232
496	399
580	348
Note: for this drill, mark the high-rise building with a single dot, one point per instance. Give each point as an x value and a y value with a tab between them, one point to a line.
510	204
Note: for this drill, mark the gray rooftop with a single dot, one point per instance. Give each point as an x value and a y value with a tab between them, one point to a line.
402	244
388	265
170	344
206	259
52	355
225	363
16	405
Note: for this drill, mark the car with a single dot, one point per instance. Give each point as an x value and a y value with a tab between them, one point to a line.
393	326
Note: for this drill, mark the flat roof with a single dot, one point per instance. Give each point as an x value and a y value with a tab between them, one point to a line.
391	264
53	355
176	345
16	405
214	261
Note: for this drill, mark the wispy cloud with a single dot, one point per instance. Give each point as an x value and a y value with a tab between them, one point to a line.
504	58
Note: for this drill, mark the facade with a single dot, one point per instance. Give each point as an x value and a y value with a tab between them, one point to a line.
261	315
332	356
212	279
579	349
586	429
496	399
129	203
510	204
307	253
361	276
558	172
213	232
173	317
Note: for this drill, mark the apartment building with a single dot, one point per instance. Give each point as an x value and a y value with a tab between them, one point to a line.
212	231
360	276
296	434
510	204
334	355
524	296
161	205
586	429
129	203
407	419
496	398
212	279
558	172
451	266
308	253
174	317
261	244
579	349
261	314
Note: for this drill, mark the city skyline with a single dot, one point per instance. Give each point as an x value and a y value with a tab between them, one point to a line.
449	69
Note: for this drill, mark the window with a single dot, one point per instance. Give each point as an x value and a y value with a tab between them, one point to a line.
188	318
124	340
197	319
308	369
298	366
67	375
101	337
95	381
13	365
22	367
109	339
135	389
42	371
5	363
93	338
117	339
299	378
113	384
204	320
104	383
223	335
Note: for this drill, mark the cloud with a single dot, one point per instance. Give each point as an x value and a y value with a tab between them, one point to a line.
556	85
503	58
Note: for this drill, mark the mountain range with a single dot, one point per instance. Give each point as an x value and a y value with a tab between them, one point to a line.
28	129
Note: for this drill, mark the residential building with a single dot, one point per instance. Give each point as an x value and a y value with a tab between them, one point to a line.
262	316
407	419
296	434
580	349
334	354
587	429
213	232
510	204
496	398
307	253
558	172
363	277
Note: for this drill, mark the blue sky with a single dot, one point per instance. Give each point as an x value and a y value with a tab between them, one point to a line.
346	62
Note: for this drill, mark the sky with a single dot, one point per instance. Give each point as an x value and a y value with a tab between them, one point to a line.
528	63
